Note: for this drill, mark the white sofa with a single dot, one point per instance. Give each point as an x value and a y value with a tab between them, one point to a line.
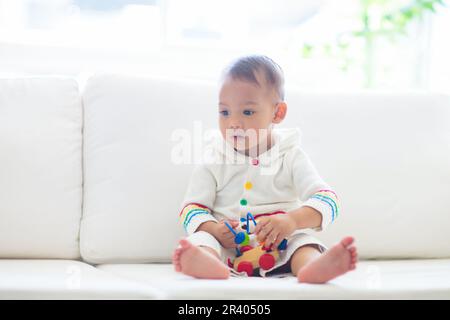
89	191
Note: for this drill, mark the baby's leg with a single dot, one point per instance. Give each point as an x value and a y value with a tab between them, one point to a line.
310	266
199	262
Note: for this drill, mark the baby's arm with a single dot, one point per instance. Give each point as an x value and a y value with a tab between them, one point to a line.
221	232
198	200
321	204
306	217
196	215
273	229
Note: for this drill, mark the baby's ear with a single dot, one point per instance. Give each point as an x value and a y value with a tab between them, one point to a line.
280	112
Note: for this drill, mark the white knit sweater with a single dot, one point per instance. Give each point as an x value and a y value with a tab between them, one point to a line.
279	180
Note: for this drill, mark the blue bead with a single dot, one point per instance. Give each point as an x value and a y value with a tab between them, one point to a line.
282	245
240	237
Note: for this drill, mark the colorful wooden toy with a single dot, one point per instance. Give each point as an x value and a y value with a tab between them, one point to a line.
250	254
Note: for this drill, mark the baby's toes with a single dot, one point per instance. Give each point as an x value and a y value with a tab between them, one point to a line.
176	256
176	260
347	241
185	244
175	265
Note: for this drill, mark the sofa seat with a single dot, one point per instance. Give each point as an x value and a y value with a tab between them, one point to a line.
387	279
66	279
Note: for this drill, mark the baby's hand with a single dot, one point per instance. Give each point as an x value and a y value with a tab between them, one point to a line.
273	229
224	235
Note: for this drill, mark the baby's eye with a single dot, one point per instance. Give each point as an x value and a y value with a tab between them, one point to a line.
248	112
224	113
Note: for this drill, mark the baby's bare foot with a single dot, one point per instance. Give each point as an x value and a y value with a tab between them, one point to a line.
198	262
332	263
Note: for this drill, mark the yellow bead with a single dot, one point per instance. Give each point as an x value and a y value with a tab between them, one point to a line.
248	185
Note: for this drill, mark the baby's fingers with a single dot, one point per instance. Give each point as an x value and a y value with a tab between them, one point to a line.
228	240
261	224
233	223
265	231
270	238
228	225
278	241
229	243
229	237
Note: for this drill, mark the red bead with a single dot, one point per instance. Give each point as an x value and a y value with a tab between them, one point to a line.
246	248
245	266
266	261
255	162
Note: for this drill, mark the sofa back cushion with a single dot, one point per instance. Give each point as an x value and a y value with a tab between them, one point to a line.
132	190
40	168
387	155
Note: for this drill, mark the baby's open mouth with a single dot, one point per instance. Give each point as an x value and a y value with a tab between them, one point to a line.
238	138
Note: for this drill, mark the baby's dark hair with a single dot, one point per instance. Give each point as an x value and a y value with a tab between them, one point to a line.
244	68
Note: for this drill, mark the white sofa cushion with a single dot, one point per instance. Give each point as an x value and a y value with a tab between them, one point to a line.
386	155
395	279
65	279
40	168
132	190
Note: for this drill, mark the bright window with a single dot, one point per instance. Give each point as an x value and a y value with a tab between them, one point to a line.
320	44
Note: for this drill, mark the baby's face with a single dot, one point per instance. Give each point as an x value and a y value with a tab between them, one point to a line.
244	109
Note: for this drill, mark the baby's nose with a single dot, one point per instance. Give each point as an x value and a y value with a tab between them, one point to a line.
235	122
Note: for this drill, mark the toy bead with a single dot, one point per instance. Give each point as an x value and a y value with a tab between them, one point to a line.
243	202
246	267
255	162
246	248
266	261
240	238
282	245
248	185
246	239
230	264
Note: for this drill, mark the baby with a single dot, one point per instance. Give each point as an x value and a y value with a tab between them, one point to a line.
264	171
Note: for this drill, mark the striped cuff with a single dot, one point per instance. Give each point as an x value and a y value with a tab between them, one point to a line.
327	203
193	215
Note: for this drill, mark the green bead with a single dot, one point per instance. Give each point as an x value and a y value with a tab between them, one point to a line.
246	241
243	202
